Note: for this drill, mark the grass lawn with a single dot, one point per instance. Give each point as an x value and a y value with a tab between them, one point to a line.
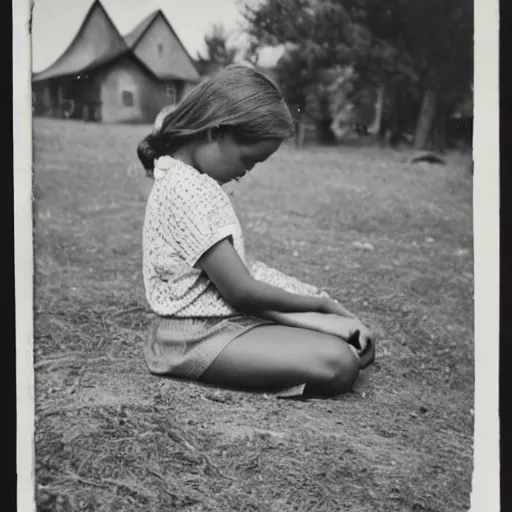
392	241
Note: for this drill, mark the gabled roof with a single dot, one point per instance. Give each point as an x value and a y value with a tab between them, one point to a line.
98	42
132	38
109	59
108	44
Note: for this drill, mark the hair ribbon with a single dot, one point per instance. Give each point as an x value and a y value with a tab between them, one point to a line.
161	166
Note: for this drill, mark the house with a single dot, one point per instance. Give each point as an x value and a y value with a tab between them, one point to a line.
105	77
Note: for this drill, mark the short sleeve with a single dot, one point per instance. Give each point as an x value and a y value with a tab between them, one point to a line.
198	215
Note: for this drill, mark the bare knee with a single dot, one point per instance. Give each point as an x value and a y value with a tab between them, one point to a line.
337	366
347	372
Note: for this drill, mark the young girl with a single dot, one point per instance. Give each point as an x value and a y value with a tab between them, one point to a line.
223	319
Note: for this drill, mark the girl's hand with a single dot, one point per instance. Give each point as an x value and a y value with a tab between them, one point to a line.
367	357
346	328
363	340
354	332
367	352
349	329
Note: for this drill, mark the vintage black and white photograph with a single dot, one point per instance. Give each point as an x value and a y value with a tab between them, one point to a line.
253	254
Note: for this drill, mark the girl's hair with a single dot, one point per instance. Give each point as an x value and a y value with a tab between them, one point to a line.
237	99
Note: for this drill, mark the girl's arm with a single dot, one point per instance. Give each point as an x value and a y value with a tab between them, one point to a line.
269	275
236	285
336	325
322	322
340	326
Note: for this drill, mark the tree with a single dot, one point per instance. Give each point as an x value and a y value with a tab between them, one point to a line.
437	35
405	46
218	52
322	38
440	38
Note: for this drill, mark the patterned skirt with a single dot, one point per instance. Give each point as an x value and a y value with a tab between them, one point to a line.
186	347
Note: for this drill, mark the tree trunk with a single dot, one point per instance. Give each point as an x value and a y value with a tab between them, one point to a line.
439	140
300	130
325	134
426	119
374	128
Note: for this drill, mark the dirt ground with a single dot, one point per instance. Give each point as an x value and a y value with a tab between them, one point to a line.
391	241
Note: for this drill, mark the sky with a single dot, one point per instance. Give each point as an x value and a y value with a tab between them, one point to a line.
55	23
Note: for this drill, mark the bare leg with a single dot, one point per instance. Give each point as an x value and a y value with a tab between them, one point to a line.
276	356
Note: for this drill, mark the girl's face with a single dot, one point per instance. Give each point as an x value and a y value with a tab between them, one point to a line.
226	159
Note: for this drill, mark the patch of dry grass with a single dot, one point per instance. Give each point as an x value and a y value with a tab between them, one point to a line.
109	436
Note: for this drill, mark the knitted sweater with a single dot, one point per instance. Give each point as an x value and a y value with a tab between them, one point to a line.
186	214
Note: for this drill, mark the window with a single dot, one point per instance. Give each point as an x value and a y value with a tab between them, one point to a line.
127	98
160	48
170	90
